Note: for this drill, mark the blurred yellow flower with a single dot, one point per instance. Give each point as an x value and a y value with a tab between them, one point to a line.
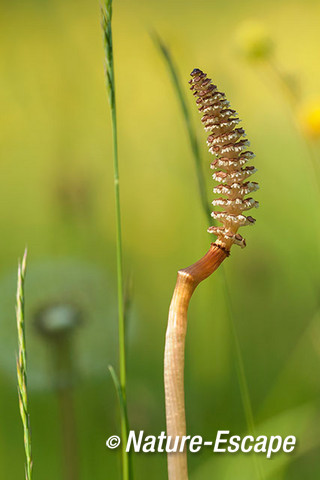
309	117
253	41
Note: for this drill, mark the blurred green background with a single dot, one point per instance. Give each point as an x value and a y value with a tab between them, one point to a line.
57	197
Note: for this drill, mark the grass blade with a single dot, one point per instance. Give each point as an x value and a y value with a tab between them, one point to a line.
123	410
118	389
122	404
172	70
22	367
106	11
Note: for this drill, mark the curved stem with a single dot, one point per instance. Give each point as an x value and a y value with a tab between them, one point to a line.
187	281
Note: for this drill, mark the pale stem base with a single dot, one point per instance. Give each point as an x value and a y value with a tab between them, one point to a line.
187	281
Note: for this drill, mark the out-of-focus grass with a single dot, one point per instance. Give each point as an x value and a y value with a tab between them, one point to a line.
53	127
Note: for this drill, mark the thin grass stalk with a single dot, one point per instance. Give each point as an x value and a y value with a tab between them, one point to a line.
242	379
241	374
292	101
173	72
22	367
110	82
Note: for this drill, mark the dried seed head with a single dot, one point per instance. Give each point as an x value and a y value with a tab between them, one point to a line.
227	144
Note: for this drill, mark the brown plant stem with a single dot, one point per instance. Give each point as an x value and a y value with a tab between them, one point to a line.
187	281
69	437
64	387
